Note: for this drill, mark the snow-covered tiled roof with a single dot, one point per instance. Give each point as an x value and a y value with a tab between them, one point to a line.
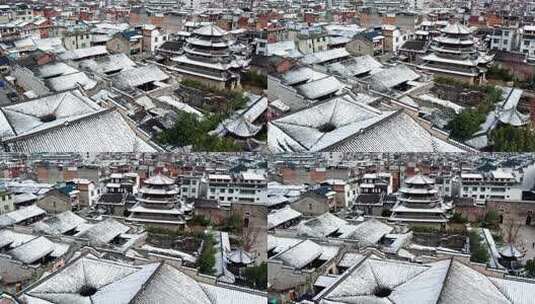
78	54
419	180
104	232
110	280
219	295
71	81
59	223
355	66
324	56
159	180
20	215
442	282
281	216
108	64
300	254
13	239
178	105
349	259
33	115
302	74
324	124
456	29
401	133
210	30
240	256
321	226
103	131
320	88
33	250
138	76
368	233
285	48
55	69
391	77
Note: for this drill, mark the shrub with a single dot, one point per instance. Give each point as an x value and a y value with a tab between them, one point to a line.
256	277
478	252
206	261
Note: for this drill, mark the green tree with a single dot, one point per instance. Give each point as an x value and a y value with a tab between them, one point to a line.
507	138
491	220
190	130
256	277
458	218
530	268
465	124
206	260
254	78
479	253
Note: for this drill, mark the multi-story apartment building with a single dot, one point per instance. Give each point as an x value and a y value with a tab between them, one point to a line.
245	186
503	39
376	183
190	186
312	41
492	185
527	41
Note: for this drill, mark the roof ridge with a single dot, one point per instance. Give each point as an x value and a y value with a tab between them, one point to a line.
57	126
444	281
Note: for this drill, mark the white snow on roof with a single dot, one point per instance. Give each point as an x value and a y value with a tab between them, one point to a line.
321	226
369	233
13	239
84	53
170	252
20	215
300	254
138	76
320	88
71	81
391	77
281	216
178	105
59	223
279	244
55	69
210	30
33	250
28	116
349	259
355	66
219	295
108	64
105	131
345	115
324	56
104	232
445	103
286	48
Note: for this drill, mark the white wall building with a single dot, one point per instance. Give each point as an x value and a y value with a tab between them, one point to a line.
503	39
245	186
527	41
493	185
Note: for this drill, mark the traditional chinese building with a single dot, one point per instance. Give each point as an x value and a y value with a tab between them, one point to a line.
454	54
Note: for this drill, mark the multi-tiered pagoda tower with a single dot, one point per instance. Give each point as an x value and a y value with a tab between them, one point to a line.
208	58
420	203
158	204
454	54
